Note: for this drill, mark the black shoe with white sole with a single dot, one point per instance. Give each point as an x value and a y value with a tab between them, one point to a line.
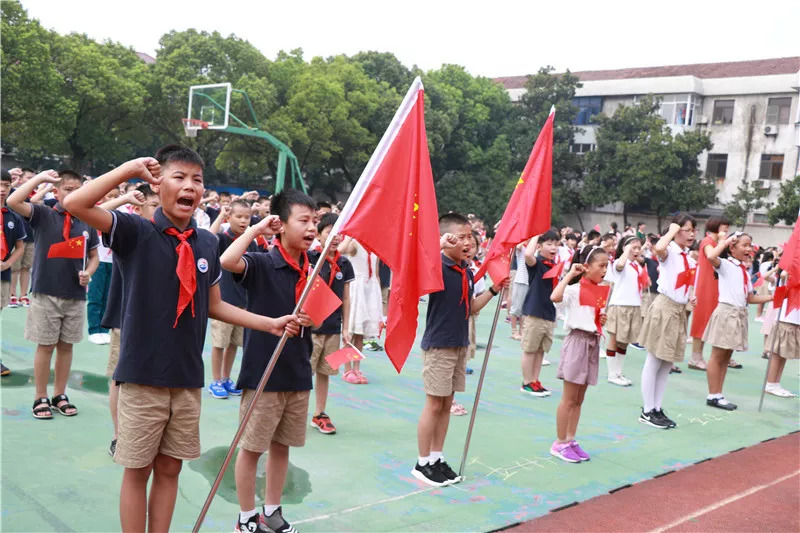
430	474
448	472
652	419
721	403
663	416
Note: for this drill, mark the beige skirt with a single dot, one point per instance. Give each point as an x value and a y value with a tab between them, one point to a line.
647	301
624	322
787	343
727	328
664	330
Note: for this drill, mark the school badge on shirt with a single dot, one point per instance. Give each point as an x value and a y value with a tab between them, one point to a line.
202	265
339	276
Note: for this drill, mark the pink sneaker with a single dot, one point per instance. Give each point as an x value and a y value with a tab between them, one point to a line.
351	377
565	452
582	454
362	379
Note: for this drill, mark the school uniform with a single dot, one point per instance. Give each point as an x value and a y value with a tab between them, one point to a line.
58	301
446	338
539	313
664	328
480	288
13	232
651	292
281	411
112	320
580	352
520	280
160	368
787	342
366	300
624	319
727	327
222	333
26	261
327	337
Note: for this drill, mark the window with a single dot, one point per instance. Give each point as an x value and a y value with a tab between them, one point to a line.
717	166
723	112
778	110
760	218
588	106
679	109
771	167
581	148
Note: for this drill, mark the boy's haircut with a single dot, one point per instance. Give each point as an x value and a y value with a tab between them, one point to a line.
766	256
448	220
282	203
549	235
328	219
5	176
263	198
323	204
653	238
608	236
147	191
27	169
614	226
640	223
571	237
69	174
592	235
716	221
682	218
177	152
240	203
623	242
226	194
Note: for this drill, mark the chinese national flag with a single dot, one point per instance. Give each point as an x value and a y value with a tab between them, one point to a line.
320	302
594	295
790	263
528	210
345	355
392	212
499	268
70	249
555	272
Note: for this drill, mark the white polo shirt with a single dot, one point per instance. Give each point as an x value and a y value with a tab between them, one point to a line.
577	316
626	284
734	286
668	273
790	318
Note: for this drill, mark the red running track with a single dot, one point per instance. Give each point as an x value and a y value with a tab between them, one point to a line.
754	489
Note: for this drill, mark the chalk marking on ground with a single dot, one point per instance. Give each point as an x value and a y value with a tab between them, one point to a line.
364	506
724	502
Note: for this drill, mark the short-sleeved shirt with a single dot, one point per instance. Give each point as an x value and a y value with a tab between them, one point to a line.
577	316
112	316
57	276
153	352
270	283
28	229
734	286
537	301
652	272
522	273
333	324
13	230
232	292
447	321
626	284
669	269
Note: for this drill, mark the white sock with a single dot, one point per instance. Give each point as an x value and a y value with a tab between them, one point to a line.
649	372
661	383
435	456
773	385
422	461
722	400
244	516
269	510
714	396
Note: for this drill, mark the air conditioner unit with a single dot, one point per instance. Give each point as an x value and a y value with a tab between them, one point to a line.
763	185
702	120
770	129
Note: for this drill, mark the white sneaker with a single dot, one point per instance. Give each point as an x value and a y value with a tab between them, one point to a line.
778	391
545	362
628	382
617	380
106	338
98	338
759	319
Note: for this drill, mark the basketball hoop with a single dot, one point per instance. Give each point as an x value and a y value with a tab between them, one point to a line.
191	125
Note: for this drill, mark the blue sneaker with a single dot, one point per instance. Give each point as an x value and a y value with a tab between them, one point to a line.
217	390
230	387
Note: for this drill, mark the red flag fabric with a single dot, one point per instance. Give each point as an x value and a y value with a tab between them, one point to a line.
69	249
594	295
321	301
790	263
3	243
597	228
528	211
555	272
395	192
498	269
345	355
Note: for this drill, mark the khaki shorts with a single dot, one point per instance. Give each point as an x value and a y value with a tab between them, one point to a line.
444	370
52	319
324	345
5	293
537	334
113	354
224	334
277	416
26	261
155	420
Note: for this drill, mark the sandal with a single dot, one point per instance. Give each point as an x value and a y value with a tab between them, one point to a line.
362	379
699	365
41	409
62	405
734	364
350	376
457	410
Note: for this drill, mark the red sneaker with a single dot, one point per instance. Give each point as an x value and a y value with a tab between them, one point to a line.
323	424
13	302
25	301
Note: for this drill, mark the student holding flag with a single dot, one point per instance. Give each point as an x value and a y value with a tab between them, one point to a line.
64	260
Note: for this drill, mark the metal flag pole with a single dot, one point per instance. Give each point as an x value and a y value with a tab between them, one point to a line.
772	336
261	384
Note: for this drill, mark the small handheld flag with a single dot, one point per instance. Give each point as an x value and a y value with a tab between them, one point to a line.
321	302
344	355
70	249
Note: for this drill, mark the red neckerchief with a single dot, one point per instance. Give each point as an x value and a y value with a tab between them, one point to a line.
641	276
744	276
3	242
593	295
185	270
262	242
551	266
231	235
369	265
67	224
685	278
334	263
302	276
464	287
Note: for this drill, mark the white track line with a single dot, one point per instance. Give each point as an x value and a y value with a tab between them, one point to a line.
724	502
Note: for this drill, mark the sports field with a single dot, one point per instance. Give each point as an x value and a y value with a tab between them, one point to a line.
57	474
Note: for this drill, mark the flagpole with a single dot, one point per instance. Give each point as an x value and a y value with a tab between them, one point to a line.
773	335
257	393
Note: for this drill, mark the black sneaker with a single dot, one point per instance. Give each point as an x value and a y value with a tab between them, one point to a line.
430	474
721	403
675	370
254	524
276	523
652	419
448	472
663	416
113	448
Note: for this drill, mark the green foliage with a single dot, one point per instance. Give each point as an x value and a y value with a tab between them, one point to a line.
788	205
746	200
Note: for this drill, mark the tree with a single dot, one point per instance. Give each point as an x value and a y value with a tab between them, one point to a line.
639	162
746	200
788	205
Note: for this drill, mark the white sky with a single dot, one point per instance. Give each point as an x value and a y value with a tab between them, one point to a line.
490	38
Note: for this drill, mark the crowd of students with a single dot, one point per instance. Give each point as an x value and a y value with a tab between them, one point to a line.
147	242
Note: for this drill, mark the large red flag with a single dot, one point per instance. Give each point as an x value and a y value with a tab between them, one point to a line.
71	249
392	212
528	211
790	262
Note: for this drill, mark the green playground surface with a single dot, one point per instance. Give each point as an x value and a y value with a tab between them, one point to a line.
57	474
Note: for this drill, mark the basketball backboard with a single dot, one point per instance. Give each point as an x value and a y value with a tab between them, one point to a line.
209	107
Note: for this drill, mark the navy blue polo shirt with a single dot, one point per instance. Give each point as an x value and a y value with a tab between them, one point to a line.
537	301
13	230
447	325
270	284
112	316
232	292
212	213
57	276
152	352
652	271
28	229
333	324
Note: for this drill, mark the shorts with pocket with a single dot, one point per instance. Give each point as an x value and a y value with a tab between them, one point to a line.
52	319
537	334
26	261
277	416
444	370
5	294
113	353
153	420
324	345
224	334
